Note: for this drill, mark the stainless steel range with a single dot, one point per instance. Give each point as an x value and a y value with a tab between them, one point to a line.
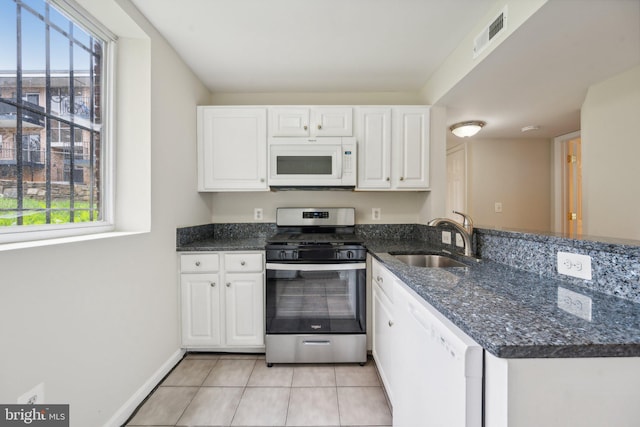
315	288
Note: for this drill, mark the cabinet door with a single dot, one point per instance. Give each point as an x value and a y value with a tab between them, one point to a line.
289	121
332	121
200	301
411	142
374	148
245	308
232	149
383	338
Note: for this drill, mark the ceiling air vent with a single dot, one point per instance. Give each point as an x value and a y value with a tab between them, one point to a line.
485	37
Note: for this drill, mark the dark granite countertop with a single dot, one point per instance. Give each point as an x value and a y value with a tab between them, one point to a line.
229	244
510	312
513	313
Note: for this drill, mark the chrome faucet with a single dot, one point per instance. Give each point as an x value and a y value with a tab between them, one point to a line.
465	228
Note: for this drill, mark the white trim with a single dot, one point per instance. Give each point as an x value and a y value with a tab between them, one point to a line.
64	240
125	411
80	15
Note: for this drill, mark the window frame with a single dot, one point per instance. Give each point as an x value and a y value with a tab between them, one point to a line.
33	233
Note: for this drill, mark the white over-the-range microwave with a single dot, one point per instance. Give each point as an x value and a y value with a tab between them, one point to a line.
312	162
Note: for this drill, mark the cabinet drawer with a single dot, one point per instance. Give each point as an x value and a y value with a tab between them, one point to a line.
384	278
199	263
242	262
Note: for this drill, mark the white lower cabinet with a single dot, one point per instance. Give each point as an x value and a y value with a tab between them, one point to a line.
384	340
222	303
200	299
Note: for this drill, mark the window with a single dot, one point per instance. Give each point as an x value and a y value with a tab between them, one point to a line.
54	153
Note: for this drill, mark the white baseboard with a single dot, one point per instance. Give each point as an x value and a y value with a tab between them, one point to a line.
125	411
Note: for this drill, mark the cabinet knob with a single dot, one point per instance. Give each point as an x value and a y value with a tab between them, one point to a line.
305	127
388	179
319	127
228	284
390	323
242	263
402	178
261	179
379	279
197	263
213	284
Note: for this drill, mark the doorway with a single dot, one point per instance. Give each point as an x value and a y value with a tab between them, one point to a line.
456	180
568	218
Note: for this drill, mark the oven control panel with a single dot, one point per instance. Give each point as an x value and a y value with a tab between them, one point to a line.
344	253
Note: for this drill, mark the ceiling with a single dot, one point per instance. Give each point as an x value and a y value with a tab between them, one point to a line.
537	76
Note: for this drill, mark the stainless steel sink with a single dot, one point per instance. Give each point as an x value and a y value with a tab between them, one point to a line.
433	261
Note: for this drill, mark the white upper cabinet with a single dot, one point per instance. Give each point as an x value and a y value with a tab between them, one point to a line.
232	149
373	133
304	121
393	148
410	164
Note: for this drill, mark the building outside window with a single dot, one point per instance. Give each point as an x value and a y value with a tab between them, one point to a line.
52	74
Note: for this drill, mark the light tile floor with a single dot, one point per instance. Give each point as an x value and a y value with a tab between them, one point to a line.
239	390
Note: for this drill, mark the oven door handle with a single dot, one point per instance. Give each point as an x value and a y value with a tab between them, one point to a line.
316	267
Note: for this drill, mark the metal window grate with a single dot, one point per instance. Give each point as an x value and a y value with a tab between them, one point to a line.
50	117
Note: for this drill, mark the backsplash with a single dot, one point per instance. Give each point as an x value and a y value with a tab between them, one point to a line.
615	266
186	235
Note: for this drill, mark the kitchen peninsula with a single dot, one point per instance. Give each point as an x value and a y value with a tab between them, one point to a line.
513	314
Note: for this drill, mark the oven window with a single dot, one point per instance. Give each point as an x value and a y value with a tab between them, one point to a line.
316	302
304	165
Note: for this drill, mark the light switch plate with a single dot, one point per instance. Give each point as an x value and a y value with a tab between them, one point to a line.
459	240
446	237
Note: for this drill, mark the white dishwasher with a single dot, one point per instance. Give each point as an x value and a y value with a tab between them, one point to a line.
439	368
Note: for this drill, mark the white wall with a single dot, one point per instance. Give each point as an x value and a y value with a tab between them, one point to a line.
610	153
396	207
94	320
516	173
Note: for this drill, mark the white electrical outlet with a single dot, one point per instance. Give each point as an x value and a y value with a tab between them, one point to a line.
574	265
35	396
257	214
497	207
459	240
574	303
446	237
375	214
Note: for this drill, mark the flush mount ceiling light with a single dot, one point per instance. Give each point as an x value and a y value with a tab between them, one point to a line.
466	129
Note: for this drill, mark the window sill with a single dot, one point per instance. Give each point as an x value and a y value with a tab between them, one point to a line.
65	240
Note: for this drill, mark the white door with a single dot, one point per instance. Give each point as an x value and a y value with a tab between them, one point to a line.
200	300
244	308
232	149
374	148
456	180
411	139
